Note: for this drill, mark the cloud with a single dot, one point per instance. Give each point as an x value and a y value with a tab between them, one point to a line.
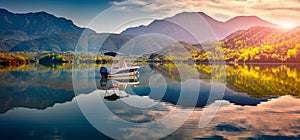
135	2
273	10
162	8
278	117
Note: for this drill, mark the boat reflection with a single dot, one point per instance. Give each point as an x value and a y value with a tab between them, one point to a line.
115	87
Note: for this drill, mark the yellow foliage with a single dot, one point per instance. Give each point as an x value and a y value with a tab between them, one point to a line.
291	53
267	48
238	42
292	73
297	46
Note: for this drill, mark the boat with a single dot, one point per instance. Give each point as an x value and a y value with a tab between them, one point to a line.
120	70
115	88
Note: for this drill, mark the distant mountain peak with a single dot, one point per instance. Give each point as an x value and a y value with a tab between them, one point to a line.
204	14
192	14
3	10
251	17
42	13
192	21
36	23
245	22
19	28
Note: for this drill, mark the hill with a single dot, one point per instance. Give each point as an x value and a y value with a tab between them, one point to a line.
17	28
257	44
35	24
195	27
68	42
176	51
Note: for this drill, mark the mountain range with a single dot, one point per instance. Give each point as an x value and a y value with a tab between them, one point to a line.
41	31
35	24
35	32
18	28
195	27
259	36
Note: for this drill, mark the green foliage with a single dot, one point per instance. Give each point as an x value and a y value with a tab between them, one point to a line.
258	44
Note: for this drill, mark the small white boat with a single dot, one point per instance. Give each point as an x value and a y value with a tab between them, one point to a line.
120	70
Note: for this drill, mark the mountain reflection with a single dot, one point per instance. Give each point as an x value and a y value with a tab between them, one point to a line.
260	80
257	80
173	91
35	89
245	84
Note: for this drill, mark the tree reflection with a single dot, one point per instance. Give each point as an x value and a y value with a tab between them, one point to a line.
258	80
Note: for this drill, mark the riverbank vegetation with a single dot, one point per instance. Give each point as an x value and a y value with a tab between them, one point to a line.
50	60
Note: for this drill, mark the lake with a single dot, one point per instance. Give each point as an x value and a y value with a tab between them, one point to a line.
169	101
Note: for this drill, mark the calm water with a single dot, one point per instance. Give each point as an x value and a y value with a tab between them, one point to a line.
227	102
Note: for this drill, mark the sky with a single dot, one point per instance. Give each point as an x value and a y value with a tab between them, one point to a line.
117	15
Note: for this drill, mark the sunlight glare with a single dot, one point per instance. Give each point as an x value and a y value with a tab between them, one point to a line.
287	25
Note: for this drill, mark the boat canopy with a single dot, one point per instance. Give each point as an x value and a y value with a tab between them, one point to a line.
111	54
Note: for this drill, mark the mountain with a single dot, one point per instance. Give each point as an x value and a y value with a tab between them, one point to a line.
17	28
54	43
69	41
244	22
35	24
257	45
176	50
261	36
103	42
195	27
35	32
40	31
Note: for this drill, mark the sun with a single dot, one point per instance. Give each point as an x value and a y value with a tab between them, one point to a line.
287	25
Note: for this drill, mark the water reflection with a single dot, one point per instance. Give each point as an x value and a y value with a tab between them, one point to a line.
205	83
34	89
246	85
260	102
115	88
241	115
275	119
38	89
259	80
256	80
